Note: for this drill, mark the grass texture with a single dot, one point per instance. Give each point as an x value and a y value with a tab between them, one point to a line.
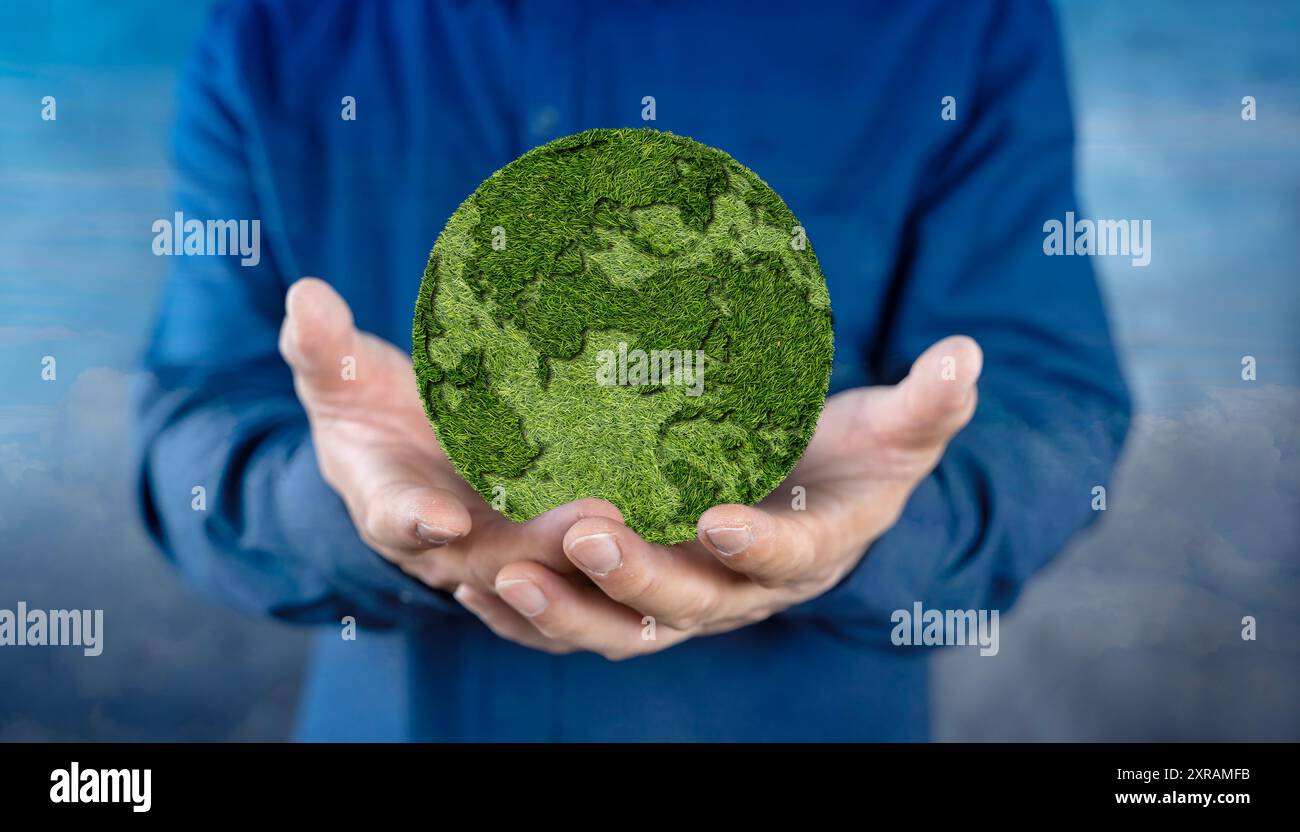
631	236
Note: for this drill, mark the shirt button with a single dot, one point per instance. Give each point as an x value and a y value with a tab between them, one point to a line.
406	596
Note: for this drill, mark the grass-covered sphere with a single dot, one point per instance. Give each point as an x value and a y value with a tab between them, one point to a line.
624	314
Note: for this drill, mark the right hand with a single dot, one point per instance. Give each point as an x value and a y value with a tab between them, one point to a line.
376	449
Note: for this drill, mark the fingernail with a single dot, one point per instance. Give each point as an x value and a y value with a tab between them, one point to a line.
523	595
730	540
597	553
435	535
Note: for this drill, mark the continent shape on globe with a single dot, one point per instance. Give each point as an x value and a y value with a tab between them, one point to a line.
624	314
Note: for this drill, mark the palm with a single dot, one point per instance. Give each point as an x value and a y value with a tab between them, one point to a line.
375	448
379	417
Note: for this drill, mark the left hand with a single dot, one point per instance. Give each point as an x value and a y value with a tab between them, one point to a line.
871	448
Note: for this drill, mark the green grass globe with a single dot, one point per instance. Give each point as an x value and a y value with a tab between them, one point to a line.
624	314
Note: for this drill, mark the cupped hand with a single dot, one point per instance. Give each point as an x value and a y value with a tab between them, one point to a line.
374	447
871	448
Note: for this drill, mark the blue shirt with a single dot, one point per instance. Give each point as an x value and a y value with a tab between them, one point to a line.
925	227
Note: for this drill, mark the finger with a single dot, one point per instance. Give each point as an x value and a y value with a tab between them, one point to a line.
539	539
412	517
935	400
899	429
317	333
677	585
502	619
769	548
580	616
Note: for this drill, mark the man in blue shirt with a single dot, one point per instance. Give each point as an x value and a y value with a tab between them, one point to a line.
923	145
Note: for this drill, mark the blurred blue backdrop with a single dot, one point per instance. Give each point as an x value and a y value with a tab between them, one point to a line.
1133	634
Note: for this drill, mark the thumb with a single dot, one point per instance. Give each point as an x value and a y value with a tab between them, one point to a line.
317	333
936	399
878	428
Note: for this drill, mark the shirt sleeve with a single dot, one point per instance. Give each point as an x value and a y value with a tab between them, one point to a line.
228	482
1017	483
